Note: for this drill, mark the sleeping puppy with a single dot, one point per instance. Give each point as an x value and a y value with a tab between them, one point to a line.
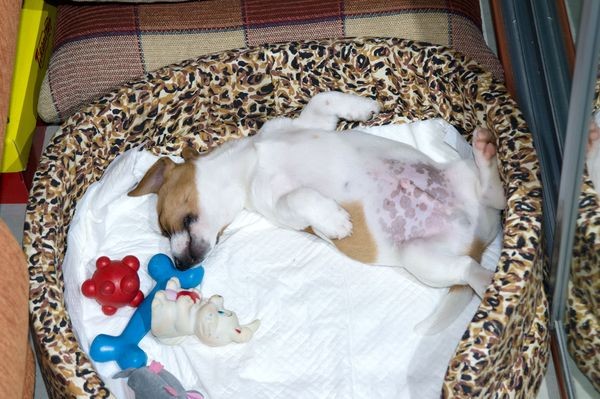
378	201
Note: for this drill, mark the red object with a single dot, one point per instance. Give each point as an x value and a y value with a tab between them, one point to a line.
194	295
115	284
15	186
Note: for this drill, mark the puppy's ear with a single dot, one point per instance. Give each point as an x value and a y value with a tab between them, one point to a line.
153	179
189	153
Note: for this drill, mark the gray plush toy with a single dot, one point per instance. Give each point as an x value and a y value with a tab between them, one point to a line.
154	382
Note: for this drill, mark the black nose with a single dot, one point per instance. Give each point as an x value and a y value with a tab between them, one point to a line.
193	255
183	263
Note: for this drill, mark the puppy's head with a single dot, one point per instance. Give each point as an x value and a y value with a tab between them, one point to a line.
182	216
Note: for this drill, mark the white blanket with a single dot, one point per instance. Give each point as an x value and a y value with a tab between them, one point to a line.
331	327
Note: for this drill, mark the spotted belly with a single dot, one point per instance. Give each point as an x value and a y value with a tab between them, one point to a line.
412	200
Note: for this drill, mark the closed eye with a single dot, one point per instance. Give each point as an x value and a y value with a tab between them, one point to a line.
188	220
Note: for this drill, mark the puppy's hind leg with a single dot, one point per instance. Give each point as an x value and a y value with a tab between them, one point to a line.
324	110
442	270
462	273
484	151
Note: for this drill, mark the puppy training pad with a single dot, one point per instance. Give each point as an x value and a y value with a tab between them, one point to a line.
206	101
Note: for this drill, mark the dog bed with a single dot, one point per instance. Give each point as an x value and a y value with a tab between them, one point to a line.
329	324
206	101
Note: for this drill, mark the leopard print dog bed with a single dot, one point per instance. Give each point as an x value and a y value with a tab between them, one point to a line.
209	100
583	301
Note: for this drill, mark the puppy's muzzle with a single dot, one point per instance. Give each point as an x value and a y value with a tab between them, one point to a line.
193	255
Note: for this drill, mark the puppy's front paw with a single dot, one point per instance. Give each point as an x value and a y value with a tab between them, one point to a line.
333	222
361	109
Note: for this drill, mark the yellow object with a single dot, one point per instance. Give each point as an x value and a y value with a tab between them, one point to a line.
34	45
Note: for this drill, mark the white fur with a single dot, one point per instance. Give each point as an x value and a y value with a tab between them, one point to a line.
179	242
297	172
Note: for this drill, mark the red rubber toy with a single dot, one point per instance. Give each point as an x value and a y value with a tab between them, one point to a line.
115	284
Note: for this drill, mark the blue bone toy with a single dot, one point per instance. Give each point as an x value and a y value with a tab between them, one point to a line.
124	349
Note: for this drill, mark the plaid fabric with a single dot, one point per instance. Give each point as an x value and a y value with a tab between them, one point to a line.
99	47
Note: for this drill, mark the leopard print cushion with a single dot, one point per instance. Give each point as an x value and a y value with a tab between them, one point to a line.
583	298
209	100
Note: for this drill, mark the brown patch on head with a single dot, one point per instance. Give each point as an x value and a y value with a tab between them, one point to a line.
177	203
476	250
154	178
360	245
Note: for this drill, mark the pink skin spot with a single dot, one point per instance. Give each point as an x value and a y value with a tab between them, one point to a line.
405	183
406	201
390	207
416	200
171	391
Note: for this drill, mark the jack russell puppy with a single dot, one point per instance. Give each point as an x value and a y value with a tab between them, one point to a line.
378	201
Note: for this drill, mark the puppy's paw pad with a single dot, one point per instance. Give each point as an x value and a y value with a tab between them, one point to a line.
484	146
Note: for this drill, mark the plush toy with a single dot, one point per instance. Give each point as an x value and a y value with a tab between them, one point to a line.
115	284
124	349
174	318
154	382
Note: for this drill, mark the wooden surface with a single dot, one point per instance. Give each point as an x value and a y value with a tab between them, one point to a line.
502	44
17	371
16	365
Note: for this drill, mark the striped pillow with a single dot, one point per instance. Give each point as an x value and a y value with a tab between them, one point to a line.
101	46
